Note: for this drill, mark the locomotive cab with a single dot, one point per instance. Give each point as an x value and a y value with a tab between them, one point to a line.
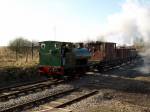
57	58
50	58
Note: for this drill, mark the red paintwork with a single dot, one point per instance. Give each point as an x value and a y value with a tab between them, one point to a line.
51	70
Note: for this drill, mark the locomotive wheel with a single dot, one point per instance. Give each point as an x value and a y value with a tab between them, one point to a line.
70	73
100	68
80	71
44	75
57	76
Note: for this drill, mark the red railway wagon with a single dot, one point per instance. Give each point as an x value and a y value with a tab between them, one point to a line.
121	52
125	53
106	54
102	51
110	50
133	52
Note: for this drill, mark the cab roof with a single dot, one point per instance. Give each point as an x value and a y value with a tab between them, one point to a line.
55	41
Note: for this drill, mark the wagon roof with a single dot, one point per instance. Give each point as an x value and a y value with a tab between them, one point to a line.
102	42
55	41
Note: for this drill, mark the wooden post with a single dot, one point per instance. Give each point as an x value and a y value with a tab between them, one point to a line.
26	54
32	50
16	52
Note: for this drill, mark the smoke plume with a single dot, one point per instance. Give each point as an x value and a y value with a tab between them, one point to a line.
132	25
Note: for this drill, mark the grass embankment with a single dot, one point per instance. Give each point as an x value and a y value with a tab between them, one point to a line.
8	58
23	69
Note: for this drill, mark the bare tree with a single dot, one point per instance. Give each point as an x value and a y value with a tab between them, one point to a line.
20	45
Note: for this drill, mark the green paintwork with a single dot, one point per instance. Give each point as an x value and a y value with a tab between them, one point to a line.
50	53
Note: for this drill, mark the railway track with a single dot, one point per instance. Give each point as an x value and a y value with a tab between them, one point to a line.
18	91
107	68
54	102
27	89
17	86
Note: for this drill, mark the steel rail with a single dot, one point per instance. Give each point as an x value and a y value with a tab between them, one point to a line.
76	99
23	84
26	90
20	107
79	98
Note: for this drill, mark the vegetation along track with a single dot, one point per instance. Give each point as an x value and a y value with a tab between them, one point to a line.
53	102
27	89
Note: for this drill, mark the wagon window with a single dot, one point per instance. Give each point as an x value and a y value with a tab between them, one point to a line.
43	46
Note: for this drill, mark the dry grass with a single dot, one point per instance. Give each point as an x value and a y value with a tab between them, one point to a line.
17	71
147	79
118	106
8	58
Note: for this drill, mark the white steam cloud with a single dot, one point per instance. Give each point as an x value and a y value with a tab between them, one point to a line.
131	23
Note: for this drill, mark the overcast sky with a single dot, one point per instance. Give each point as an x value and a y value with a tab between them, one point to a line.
65	20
